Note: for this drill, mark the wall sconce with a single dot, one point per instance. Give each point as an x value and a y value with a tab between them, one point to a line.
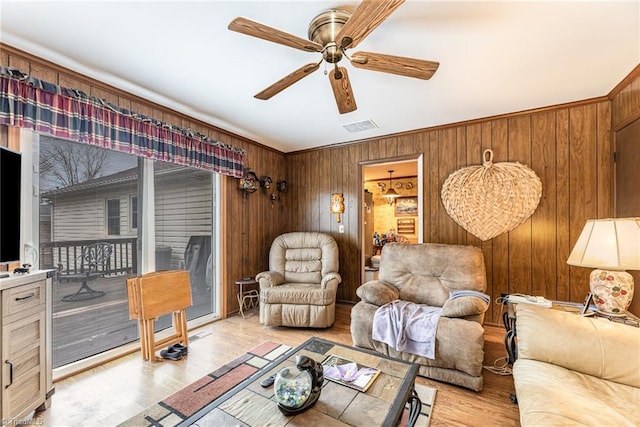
249	182
282	186
265	182
337	205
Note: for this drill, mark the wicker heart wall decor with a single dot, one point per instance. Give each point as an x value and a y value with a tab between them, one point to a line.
492	198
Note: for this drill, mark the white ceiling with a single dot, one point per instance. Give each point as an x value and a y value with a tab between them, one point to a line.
495	57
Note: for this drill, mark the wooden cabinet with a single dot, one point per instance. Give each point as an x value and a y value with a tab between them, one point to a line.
26	345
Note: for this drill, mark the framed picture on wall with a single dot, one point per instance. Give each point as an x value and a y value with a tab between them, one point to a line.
407	206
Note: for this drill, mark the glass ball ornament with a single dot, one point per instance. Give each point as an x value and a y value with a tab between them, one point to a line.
297	388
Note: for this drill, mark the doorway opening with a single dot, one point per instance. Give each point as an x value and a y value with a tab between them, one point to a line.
390	217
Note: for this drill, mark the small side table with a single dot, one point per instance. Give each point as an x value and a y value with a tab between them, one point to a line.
247	298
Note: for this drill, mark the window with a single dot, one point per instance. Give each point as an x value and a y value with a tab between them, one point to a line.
134	212
113	217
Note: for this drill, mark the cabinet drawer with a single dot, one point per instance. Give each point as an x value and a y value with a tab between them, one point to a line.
23	360
21	298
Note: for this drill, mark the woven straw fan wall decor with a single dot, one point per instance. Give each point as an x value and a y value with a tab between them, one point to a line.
493	198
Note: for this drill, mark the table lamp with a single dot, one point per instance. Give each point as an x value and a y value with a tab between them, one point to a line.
611	246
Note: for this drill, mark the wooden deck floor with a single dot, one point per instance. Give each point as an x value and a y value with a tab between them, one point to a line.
115	391
87	327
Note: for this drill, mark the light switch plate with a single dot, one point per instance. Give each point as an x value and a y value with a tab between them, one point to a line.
341	228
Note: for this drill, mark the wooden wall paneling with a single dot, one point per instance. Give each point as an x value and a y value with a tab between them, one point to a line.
350	251
318	191
582	186
487	247
472	157
604	161
544	219
4	59
432	189
461	162
500	244
107	95
69	81
44	73
233	222
563	211
447	227
145	110
19	62
406	145
330	184
519	143
625	105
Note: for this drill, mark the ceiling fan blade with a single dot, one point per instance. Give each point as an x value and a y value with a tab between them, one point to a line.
367	16
403	66
288	80
261	31
342	90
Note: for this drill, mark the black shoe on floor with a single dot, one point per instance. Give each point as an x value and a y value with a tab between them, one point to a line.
171	354
181	348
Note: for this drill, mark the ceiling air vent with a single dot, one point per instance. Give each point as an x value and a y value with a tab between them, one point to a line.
360	126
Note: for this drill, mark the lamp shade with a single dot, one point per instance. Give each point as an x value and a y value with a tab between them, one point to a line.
391	193
612	243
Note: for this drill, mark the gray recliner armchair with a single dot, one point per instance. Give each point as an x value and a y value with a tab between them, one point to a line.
300	287
433	275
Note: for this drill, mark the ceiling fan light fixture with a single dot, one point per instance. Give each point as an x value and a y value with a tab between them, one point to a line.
325	27
331	33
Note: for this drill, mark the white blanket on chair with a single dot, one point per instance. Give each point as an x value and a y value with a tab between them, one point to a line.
407	327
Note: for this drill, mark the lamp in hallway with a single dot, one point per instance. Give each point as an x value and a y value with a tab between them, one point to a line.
390	194
611	246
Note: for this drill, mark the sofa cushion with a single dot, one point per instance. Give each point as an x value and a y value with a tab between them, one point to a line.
298	293
427	273
593	346
550	395
378	293
303	256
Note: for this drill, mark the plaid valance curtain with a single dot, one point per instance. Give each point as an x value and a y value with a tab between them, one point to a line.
31	103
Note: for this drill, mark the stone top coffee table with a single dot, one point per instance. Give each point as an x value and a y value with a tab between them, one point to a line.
382	404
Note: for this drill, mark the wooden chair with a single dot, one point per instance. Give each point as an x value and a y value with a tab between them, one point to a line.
152	295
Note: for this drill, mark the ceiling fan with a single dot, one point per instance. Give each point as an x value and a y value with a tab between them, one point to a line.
331	33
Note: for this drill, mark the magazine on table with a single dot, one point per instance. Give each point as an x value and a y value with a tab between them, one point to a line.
348	373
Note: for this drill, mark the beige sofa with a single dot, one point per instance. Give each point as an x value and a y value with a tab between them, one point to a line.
301	285
574	370
426	274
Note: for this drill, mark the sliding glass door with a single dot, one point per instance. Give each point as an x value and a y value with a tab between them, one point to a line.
92	214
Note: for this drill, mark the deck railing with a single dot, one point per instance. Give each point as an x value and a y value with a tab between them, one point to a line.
66	255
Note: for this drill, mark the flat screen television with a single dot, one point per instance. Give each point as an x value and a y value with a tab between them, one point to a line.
10	177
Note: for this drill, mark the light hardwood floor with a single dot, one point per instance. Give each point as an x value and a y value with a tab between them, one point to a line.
115	391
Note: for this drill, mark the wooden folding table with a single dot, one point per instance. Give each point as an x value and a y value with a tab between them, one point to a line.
152	295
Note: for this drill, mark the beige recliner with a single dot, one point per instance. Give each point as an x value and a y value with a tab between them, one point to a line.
427	274
300	287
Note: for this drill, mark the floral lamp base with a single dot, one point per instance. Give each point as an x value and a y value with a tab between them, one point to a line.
612	290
